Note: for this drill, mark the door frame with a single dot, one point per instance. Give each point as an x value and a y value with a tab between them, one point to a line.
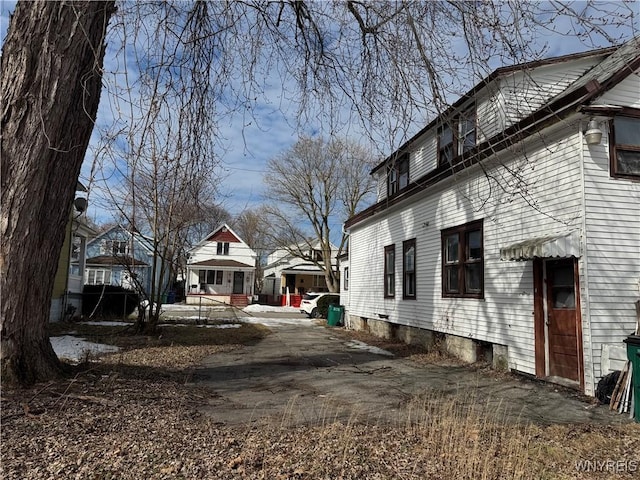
236	275
541	315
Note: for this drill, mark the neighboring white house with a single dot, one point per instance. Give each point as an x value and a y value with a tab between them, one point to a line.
507	228
284	270
221	268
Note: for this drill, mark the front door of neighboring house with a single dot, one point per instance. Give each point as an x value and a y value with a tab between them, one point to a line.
558	323
238	283
291	283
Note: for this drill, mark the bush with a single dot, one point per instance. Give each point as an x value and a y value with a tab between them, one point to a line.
324	302
112	301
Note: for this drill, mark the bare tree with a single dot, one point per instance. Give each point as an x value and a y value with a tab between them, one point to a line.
387	65
312	188
157	161
252	227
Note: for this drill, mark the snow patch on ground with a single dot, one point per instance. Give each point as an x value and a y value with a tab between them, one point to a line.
108	324
255	308
222	325
358	345
75	349
278	322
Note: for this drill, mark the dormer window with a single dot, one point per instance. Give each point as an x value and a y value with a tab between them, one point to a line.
222	248
457	137
398	175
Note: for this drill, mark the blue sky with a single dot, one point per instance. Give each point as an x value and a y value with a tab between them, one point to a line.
251	143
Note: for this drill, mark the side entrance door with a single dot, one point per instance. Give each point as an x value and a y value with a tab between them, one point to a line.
559	354
238	283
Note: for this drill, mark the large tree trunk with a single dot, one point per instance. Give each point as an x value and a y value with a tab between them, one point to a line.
51	82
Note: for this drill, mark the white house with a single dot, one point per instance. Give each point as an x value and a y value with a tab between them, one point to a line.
284	270
509	227
221	269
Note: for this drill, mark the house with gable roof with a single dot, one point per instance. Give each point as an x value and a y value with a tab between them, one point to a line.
123	258
221	269
508	228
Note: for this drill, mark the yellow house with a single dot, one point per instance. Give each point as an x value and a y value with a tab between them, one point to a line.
66	299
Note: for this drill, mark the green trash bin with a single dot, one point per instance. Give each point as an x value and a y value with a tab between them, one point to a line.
633	354
334	315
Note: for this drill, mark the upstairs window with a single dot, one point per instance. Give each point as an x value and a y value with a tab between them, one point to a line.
398	175
222	248
390	271
625	147
446	145
409	269
457	137
463	261
115	248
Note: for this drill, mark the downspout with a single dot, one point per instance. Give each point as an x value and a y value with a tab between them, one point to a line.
584	302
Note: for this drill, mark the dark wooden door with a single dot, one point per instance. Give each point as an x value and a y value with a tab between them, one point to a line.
562	320
238	283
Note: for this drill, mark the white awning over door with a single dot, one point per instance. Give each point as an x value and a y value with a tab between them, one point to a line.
552	246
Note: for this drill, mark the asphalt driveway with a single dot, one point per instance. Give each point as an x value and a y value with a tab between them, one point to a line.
309	373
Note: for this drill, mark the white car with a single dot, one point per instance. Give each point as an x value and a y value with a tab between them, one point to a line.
309	303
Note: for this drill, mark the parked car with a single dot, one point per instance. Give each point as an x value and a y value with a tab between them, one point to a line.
309	303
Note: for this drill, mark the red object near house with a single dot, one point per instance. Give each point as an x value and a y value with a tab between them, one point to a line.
295	300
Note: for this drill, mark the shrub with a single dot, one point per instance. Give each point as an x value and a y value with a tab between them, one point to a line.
324	302
112	300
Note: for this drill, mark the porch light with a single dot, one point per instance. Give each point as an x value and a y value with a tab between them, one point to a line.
593	135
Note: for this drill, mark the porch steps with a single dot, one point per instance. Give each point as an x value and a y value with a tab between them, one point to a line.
239	300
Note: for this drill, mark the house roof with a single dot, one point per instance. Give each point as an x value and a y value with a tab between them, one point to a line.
143	241
621	62
221	264
223	233
114	260
496	74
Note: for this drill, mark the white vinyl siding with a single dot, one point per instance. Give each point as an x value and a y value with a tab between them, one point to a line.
612	224
505	315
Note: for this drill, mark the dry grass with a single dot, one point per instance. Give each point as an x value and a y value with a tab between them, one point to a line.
137	415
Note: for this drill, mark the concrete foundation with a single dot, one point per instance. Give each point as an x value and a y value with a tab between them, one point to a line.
460	347
500	358
415	336
381	328
466	349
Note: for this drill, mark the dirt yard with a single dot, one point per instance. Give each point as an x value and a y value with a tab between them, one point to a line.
138	414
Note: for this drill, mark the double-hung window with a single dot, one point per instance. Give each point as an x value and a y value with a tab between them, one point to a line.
463	261
625	147
222	248
457	136
390	271
398	175
409	269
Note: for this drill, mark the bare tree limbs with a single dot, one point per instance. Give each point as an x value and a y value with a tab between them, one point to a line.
308	188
